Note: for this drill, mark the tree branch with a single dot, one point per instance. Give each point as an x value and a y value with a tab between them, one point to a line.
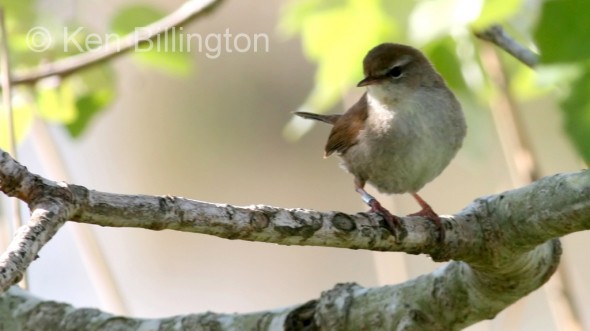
502	240
187	12
22	309
496	35
456	296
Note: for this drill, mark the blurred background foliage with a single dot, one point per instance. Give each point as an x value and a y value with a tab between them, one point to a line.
335	35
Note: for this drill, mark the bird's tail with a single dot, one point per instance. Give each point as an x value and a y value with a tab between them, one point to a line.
330	119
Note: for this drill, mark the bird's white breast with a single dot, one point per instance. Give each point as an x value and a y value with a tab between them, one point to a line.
408	140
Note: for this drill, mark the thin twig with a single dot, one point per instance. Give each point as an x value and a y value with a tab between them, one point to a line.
496	35
516	146
187	12
6	84
99	271
524	169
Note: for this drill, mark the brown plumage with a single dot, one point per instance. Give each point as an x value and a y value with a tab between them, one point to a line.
346	127
402	133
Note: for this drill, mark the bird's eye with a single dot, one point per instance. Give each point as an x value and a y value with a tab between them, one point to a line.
395	72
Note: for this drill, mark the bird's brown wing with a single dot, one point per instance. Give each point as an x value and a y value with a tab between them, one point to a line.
346	129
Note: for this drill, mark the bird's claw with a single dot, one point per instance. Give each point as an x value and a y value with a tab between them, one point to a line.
427	212
392	222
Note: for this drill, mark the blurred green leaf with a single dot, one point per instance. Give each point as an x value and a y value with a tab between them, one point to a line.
527	83
444	58
95	91
22	117
163	52
88	106
562	31
21	17
176	63
337	35
56	101
135	16
75	100
16	11
431	20
576	108
496	11
294	13
94	78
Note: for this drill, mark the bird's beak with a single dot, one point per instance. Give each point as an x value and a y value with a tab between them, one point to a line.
369	80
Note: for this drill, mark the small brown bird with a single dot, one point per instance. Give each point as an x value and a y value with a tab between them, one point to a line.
402	133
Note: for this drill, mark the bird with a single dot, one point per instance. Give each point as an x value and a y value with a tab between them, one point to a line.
402	132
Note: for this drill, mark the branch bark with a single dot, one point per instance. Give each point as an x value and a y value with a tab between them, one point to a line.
502	246
450	298
497	36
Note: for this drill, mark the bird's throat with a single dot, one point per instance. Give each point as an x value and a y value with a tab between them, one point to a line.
381	112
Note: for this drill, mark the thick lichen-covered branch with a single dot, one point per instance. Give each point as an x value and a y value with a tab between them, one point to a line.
502	245
450	298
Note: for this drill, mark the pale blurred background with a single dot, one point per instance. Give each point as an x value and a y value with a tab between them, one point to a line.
217	137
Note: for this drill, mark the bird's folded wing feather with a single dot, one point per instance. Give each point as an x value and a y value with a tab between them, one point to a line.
346	129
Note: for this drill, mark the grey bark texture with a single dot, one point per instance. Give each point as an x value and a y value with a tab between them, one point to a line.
502	247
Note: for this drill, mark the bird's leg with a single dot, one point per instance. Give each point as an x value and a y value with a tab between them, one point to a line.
427	212
391	221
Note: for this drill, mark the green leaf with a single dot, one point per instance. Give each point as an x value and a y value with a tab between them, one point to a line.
88	106
336	34
95	92
562	31
444	58
294	13
135	16
328	33
56	100
431	20
175	63
19	13
576	108
527	83
22	117
163	52
496	11
74	101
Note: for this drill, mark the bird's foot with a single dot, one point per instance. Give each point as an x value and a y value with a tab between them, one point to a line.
392	222
427	212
